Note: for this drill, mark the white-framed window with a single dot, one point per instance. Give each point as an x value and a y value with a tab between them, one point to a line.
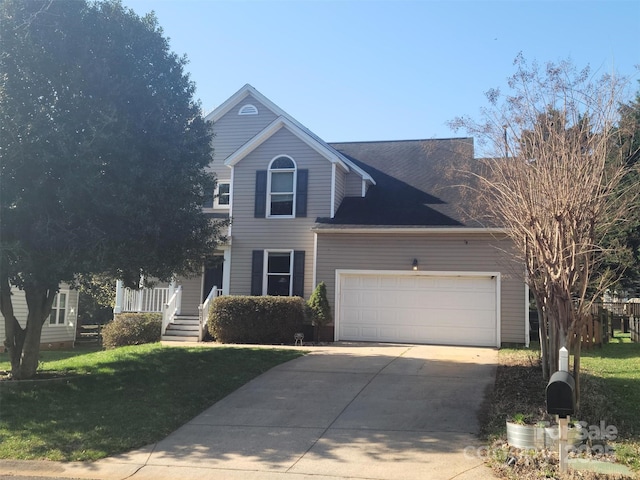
248	109
58	313
281	187
278	273
221	197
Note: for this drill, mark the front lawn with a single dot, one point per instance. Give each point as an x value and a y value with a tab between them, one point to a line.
116	400
617	367
610	394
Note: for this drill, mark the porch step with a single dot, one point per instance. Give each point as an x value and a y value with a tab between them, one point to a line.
184	328
186	320
177	338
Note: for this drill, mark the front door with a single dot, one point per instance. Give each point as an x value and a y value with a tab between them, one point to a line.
212	275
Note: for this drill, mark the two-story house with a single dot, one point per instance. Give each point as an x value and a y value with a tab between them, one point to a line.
381	223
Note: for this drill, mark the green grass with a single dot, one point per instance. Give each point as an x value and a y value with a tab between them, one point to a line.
611	374
617	364
117	400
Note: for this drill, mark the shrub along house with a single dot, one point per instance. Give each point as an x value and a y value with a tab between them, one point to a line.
379	222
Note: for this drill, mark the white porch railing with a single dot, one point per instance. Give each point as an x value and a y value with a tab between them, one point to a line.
203	310
171	308
144	299
167	301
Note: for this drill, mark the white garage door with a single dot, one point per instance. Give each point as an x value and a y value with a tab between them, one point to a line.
417	308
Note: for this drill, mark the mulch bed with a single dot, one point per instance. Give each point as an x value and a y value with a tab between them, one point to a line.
520	388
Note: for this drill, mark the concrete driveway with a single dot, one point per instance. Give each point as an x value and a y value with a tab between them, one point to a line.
364	411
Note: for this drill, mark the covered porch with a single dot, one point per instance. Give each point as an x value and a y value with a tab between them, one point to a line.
183	303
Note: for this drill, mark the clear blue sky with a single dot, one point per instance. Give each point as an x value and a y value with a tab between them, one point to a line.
357	70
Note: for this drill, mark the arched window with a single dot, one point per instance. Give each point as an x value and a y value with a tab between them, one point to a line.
281	187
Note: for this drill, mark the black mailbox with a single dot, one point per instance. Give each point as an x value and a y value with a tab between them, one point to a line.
561	394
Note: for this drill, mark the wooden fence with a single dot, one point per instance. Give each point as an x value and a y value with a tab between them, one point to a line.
595	332
616	316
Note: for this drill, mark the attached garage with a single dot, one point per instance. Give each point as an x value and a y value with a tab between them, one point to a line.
448	308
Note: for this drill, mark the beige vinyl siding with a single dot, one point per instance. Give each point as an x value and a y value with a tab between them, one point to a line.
191	294
340	187
51	334
249	233
233	130
434	252
353	185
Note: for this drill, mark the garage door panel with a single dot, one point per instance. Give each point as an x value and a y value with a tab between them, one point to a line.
349	331
418	309
436	318
357	316
368	298
358	299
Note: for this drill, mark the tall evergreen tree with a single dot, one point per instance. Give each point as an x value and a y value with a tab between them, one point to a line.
623	241
102	151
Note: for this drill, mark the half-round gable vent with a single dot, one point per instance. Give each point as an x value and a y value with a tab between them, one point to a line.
248	109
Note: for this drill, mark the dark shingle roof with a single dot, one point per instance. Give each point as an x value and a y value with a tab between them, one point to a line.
417	183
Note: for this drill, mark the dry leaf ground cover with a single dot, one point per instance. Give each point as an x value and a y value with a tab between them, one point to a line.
610	394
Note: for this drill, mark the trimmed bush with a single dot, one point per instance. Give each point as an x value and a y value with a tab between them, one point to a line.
244	319
132	329
319	309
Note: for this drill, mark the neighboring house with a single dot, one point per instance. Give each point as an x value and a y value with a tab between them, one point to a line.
59	330
379	222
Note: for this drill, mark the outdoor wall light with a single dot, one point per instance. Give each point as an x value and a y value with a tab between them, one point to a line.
414	265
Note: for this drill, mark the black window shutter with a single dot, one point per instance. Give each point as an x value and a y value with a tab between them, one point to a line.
298	273
301	193
261	194
257	266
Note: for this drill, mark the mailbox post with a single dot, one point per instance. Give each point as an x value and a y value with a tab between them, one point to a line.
561	401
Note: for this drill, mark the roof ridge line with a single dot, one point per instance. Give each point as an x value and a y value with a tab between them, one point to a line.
405	140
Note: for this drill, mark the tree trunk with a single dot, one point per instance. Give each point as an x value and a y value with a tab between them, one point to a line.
576	367
543	329
23	344
552	364
14	333
577	330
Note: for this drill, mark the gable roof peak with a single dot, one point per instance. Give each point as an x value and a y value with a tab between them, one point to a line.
283	118
240	95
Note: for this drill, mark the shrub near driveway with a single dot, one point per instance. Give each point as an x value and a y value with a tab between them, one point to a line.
121	399
246	319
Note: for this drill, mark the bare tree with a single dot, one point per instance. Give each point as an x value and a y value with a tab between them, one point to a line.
550	180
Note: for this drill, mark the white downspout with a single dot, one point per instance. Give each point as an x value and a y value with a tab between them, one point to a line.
119	297
315	259
226	271
231	199
333	194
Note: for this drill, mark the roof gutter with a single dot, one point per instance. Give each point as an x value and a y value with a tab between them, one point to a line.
412	230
